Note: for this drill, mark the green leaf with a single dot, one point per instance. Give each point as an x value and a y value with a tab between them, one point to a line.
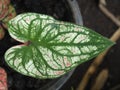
51	48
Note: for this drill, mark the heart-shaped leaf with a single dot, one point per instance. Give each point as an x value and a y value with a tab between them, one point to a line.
51	47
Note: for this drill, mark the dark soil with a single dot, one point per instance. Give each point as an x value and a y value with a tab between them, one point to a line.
55	8
96	20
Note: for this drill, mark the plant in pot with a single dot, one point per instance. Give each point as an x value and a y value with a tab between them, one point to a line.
50	48
62	10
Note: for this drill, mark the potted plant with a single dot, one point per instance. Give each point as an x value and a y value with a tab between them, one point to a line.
50	48
15	80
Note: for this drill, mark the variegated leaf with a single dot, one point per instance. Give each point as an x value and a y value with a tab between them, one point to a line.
4	6
11	14
3	79
50	47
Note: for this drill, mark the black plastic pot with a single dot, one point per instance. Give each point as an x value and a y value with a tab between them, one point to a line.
16	81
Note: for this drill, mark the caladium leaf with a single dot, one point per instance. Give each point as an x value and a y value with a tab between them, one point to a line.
50	47
4	6
3	79
11	14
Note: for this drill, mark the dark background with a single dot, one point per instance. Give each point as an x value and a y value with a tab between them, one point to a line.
96	20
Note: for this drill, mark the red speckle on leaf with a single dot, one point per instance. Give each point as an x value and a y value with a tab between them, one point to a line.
27	20
10	14
67	63
59	72
62	38
76	29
